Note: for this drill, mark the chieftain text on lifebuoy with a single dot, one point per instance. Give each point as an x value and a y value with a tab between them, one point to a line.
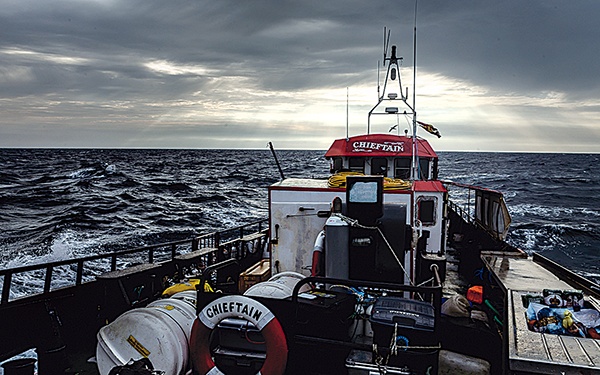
233	307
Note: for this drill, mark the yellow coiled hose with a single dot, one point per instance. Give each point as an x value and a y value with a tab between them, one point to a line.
338	180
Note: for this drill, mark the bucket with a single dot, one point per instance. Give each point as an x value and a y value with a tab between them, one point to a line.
280	286
160	332
21	366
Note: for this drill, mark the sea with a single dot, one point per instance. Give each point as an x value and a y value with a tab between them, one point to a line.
63	203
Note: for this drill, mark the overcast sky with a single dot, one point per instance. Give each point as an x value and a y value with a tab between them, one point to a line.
491	75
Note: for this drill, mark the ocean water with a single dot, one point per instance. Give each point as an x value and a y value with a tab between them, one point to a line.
57	204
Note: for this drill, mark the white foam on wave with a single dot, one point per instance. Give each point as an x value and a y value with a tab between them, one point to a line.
62	246
82	173
67	245
539	239
527	209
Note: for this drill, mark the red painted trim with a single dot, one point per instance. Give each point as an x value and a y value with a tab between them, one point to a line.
429	186
379	145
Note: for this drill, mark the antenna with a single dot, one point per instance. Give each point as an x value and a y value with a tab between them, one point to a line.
378	83
347	116
386	43
415	174
415	66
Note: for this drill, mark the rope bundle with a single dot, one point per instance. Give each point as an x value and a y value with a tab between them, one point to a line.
338	180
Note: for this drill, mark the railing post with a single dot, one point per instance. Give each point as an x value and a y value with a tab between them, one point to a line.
79	278
48	280
173	251
6	287
151	255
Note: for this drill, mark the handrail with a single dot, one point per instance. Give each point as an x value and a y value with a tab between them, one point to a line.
212	239
467	217
493	218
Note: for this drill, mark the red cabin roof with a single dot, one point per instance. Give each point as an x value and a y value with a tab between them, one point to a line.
380	145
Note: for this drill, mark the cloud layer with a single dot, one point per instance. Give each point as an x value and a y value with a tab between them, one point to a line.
501	76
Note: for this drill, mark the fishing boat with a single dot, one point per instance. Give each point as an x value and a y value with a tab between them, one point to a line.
381	269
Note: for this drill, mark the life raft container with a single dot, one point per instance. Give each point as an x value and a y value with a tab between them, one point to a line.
235	307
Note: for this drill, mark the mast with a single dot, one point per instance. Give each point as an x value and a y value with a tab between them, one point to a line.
415	175
415	157
392	73
347	113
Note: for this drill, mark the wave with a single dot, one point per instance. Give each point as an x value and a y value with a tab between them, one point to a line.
541	237
170	187
80	202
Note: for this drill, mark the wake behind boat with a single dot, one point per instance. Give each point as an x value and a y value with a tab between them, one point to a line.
382	268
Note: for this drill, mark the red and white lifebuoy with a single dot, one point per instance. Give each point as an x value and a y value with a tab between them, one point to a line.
238	307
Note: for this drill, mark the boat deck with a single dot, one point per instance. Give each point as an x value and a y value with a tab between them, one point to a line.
535	352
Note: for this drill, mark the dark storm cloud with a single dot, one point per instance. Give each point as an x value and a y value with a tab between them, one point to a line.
99	68
519	45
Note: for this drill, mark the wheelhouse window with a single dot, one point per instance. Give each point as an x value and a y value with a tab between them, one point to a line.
435	170
379	166
427	210
336	164
402	168
424	168
357	165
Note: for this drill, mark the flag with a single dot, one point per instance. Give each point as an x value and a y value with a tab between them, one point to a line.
430	128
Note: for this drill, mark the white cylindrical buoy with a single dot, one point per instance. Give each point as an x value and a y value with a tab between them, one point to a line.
280	286
160	332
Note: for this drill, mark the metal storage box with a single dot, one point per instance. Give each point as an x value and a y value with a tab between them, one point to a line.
326	315
413	322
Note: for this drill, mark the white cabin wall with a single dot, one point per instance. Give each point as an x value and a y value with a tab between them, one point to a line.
297	229
435	243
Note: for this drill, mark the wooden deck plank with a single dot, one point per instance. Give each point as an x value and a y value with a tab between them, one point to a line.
522	274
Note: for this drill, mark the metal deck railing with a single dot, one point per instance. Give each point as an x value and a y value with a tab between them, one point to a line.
79	270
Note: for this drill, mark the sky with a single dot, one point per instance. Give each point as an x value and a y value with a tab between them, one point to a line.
509	76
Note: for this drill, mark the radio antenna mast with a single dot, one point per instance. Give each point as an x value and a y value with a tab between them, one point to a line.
347	114
415	167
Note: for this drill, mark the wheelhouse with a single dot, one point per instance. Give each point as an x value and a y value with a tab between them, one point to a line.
383	155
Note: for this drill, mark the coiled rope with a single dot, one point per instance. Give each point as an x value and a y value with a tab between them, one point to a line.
338	180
